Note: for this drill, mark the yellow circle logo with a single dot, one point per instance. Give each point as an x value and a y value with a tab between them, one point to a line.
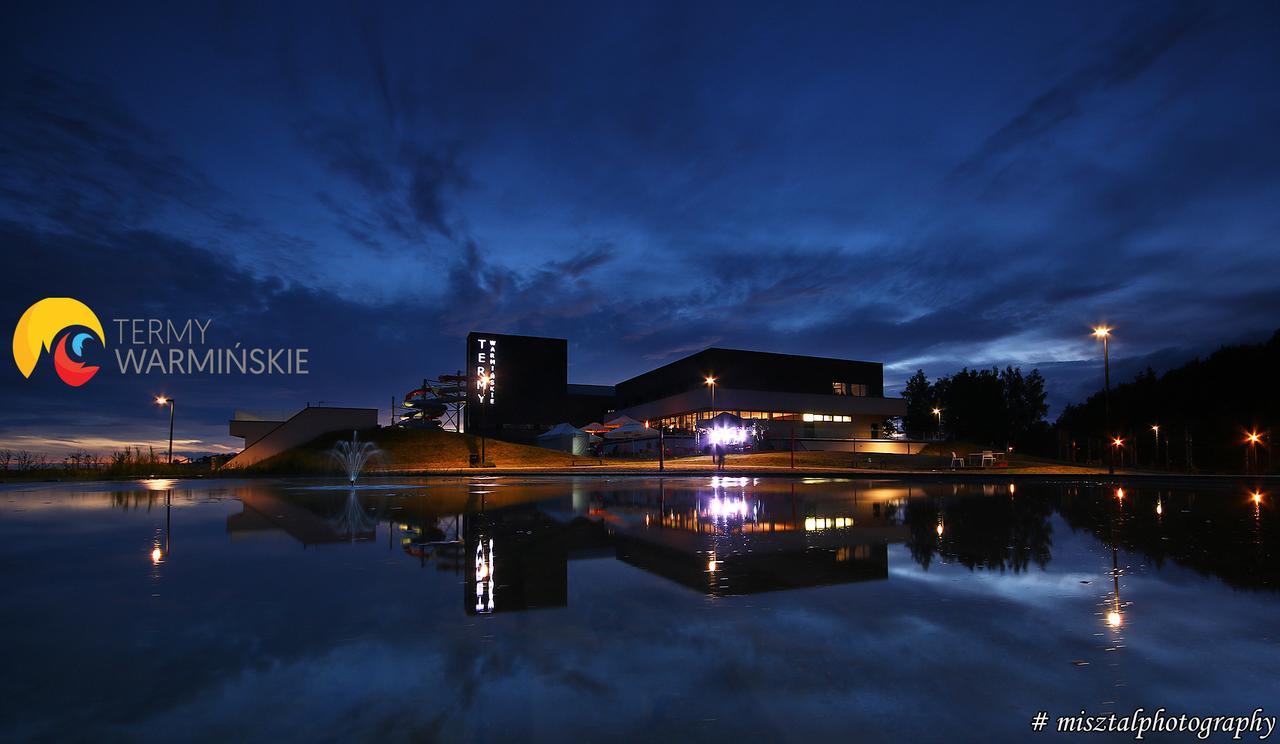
47	326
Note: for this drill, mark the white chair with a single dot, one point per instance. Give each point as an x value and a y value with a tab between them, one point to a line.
956	461
988	458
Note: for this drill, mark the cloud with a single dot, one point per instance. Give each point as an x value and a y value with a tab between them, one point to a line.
1128	56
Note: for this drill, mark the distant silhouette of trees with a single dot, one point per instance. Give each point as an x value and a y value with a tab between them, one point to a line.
1204	409
990	406
982	532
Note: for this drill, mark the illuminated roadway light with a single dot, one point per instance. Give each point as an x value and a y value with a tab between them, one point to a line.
1102	331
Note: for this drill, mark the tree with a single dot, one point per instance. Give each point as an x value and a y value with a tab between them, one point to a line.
990	406
919	395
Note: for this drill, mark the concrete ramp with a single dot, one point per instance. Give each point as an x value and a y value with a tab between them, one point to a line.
302	427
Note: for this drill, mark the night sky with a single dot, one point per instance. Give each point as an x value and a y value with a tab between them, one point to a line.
927	185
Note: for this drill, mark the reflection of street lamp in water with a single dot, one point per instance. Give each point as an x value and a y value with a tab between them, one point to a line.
1113	617
160	549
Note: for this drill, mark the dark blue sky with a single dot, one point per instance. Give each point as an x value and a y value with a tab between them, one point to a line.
930	185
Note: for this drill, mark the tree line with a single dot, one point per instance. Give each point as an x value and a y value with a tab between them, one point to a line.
1205	409
996	407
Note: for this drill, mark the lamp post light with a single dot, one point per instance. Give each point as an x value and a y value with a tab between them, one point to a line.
1118	443
710	382
1155	456
938	412
164	401
1252	439
1104	333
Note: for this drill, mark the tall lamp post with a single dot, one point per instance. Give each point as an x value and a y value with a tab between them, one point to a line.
1155	456
163	401
938	412
1251	457
710	382
1104	333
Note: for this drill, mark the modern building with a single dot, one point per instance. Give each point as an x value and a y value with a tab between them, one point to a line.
519	388
818	397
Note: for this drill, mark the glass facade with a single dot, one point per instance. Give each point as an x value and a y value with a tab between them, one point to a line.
690	421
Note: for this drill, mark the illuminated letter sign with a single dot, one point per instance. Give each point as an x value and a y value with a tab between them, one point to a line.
486	589
486	365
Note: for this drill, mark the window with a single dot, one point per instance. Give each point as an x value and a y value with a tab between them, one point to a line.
840	388
812	417
858	390
849	388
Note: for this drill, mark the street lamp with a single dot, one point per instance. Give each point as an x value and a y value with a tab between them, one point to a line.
1252	439
710	382
163	401
938	412
1155	457
1118	443
1104	333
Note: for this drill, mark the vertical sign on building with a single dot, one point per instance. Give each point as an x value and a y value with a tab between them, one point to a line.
486	367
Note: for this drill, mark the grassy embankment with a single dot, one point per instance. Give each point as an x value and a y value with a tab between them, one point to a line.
425	451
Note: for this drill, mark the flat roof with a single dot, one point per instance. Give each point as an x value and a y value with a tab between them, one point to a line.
723	350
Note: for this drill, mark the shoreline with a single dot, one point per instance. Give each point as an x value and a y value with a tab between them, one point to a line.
996	475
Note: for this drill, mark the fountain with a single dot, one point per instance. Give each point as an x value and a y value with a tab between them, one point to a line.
353	455
354	521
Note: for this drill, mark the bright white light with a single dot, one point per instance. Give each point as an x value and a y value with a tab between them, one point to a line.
720	508
1113	619
728	435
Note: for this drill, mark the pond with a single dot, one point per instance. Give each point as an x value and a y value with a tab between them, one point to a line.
614	609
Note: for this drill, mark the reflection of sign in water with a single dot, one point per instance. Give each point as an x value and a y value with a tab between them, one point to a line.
486	366
486	589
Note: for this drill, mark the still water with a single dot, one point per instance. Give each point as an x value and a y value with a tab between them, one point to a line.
627	608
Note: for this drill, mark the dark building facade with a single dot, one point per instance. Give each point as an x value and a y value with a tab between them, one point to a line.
517	384
817	397
519	388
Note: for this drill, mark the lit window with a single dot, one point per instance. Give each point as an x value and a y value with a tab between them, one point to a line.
858	389
840	388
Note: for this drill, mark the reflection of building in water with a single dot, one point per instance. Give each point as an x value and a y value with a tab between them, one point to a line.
519	560
265	511
731	539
